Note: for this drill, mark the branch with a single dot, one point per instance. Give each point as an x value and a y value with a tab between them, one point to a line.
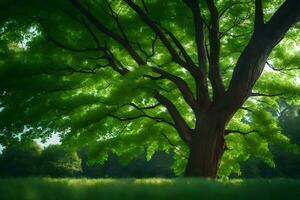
168	139
236	23
114	63
115	16
281	69
202	90
201	81
187	58
255	94
63	46
108	55
141	116
222	13
143	108
180	124
247	109
86	26
285	17
108	32
175	56
62	89
199	34
148	56
83	71
181	85
240	132
145	7
176	148
252	60
259	15
154	78
214	61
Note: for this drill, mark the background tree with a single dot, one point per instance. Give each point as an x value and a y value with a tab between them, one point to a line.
169	75
20	159
58	161
287	165
158	166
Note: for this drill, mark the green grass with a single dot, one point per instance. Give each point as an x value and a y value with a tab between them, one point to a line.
144	189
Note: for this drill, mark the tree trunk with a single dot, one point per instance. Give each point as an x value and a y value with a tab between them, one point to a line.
205	156
207	147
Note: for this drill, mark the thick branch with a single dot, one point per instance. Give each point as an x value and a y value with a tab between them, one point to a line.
259	15
252	60
114	63
202	89
156	29
181	84
199	33
214	59
175	56
180	124
187	58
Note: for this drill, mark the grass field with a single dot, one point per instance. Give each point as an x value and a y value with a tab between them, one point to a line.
144	189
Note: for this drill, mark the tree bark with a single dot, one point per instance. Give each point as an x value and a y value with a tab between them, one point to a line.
207	147
205	157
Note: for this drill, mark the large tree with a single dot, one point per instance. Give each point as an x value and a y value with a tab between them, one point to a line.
122	75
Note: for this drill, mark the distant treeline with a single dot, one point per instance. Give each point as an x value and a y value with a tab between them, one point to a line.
28	159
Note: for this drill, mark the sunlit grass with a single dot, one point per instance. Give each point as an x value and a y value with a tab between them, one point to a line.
144	189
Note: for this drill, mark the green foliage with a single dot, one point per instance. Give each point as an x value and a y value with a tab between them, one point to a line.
261	132
287	164
180	160
57	161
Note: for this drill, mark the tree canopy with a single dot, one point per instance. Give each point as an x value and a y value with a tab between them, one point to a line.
124	75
